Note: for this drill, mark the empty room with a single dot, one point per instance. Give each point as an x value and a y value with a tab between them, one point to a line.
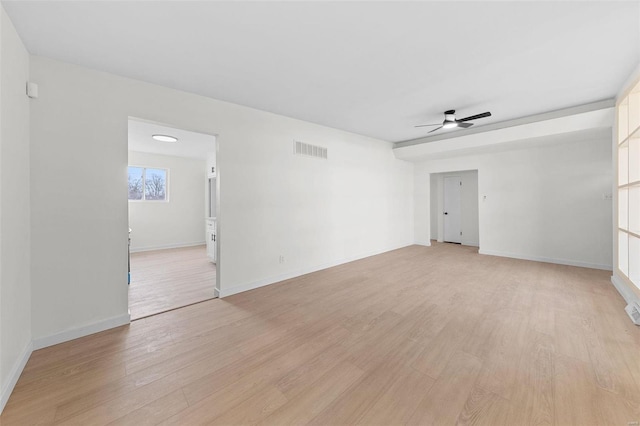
328	213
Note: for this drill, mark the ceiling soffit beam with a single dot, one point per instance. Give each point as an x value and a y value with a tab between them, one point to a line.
584	117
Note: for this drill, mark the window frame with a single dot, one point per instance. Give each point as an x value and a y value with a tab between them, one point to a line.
144	174
627	133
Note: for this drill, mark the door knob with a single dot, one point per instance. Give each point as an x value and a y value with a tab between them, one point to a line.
446	213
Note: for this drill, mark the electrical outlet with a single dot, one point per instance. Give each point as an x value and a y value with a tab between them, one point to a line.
607	196
281	259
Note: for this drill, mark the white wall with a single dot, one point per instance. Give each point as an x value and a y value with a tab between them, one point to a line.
544	201
178	222
315	213
15	291
468	206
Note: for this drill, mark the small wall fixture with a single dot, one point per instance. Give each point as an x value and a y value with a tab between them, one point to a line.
32	90
165	138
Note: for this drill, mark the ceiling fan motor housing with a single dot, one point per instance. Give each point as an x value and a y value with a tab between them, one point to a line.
450	115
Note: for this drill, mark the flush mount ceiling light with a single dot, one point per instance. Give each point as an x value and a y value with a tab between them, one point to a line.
165	138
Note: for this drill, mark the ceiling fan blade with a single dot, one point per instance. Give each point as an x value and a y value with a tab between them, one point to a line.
475	117
437	128
426	125
464	125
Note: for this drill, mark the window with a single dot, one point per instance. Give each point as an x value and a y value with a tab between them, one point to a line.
629	186
147	184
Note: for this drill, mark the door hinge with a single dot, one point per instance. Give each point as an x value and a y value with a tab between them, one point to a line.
460	183
460	232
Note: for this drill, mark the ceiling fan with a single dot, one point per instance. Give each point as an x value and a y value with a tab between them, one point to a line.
450	121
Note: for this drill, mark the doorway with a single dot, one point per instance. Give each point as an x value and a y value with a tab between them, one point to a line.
171	173
454	215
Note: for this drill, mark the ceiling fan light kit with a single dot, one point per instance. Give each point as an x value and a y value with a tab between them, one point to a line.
450	121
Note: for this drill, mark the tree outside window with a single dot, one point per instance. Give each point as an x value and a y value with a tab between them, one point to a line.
147	184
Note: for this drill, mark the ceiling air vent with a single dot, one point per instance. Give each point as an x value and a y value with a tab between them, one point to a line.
301	148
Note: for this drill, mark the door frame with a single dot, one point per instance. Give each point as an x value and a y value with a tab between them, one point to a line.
435	186
217	165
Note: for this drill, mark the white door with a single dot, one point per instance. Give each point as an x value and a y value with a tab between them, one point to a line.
452	227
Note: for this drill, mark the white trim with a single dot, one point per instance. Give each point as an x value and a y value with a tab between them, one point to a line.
168	246
546	259
623	288
423	243
471	243
75	333
296	273
14	375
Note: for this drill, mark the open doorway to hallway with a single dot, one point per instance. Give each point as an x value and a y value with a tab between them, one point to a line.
172	219
454	207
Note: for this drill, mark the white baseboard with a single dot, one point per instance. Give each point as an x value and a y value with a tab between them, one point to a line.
547	260
14	375
426	243
75	333
167	246
296	273
627	294
471	243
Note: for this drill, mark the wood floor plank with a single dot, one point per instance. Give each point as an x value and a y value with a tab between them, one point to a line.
154	412
303	376
612	410
570	338
321	394
532	403
576	392
502	361
252	410
148	380
399	399
285	354
420	335
484	408
357	400
167	279
448	395
437	354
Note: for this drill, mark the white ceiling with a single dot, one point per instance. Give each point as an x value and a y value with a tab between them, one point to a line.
190	144
374	68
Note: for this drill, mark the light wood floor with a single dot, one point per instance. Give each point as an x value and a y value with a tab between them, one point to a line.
167	279
422	335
